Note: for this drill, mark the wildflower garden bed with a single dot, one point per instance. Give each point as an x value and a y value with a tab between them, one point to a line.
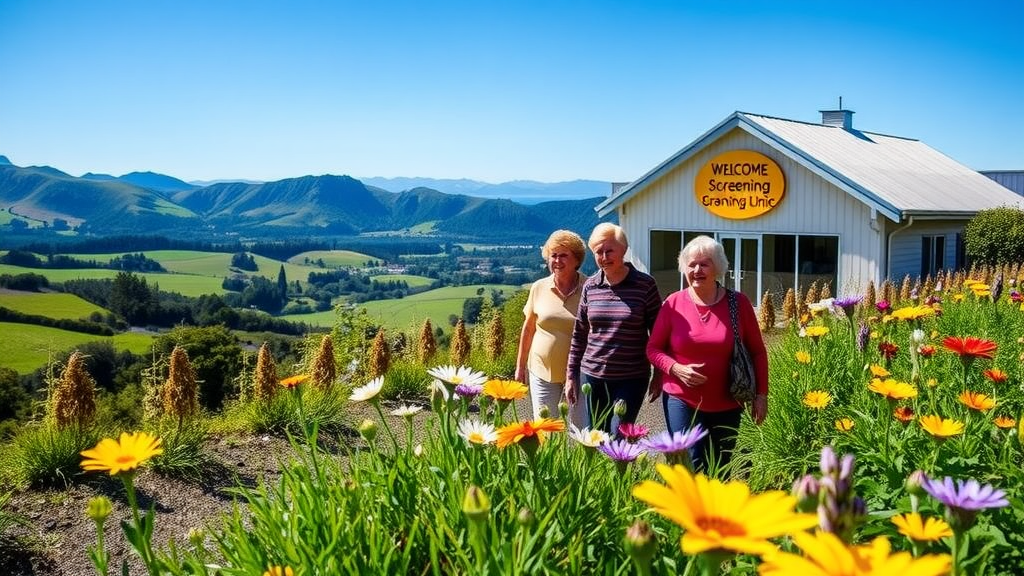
893	445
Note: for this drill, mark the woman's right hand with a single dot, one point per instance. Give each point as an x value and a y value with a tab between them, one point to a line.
688	374
571	391
521	375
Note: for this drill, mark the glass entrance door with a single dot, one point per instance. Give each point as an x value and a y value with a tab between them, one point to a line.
744	254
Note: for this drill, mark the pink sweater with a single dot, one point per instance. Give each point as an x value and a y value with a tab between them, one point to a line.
680	336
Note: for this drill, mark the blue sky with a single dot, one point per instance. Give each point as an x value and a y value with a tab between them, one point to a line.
500	90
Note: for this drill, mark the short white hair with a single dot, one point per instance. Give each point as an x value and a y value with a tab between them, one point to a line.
705	246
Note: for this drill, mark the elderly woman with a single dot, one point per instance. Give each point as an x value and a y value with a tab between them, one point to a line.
618	307
691	344
550	315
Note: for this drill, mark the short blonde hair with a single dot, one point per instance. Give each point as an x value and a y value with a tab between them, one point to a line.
565	239
607	231
706	246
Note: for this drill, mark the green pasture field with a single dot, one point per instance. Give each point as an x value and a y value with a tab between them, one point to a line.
184	284
331	258
408	313
6	217
25	347
214	264
412	281
50	304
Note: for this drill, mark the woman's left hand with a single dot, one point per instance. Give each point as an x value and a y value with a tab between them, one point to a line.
759	409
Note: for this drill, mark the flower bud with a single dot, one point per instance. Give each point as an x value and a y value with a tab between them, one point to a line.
915	483
368	430
544	411
99	509
620	408
563	408
437	396
641	544
476	505
805	490
829	462
586	388
197	537
525	518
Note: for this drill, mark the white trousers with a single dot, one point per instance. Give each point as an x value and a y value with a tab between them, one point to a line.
544	393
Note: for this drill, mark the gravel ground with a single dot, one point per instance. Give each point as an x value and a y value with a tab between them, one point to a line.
55	540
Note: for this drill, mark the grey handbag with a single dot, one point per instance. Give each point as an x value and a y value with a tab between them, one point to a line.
741	368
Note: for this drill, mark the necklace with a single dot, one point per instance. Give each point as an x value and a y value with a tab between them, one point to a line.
575	285
706	314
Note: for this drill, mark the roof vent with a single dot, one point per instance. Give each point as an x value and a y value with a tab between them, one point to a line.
838	117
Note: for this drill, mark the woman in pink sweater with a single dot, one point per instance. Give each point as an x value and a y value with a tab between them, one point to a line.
691	345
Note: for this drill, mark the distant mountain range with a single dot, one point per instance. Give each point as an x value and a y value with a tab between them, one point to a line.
147	202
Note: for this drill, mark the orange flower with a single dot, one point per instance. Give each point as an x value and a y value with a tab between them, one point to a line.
970	347
927	350
517	431
844	424
941	428
904	413
293	381
996	375
976	400
879	371
1005	422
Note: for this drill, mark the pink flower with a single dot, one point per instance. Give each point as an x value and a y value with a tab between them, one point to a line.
633	432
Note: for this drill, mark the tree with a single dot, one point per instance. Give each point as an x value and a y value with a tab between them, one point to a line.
282	285
132	299
215	355
995	236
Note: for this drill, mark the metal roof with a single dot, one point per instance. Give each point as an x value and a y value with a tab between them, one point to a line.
899	177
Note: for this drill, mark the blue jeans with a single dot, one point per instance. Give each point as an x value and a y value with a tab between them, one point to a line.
717	446
603	395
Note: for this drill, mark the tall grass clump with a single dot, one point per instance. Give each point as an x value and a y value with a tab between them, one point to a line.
181	426
459	348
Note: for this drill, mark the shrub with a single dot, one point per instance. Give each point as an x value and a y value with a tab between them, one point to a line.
405	380
184	454
73	398
43	455
180	393
995	236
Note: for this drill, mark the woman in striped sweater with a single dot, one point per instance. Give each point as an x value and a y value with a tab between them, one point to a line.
618	306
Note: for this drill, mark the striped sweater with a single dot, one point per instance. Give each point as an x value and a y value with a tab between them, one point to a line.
609	339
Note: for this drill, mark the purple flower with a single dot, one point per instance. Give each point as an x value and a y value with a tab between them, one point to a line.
967	495
847	303
863	336
674	442
965	500
621	450
468	391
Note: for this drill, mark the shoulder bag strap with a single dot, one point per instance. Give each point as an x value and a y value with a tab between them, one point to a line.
733	313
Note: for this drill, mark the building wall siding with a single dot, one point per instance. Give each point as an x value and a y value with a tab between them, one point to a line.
811	206
906	246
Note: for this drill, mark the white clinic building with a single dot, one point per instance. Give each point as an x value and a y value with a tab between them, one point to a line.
794	202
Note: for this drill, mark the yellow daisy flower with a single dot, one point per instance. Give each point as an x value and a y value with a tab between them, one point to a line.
913	312
879	371
721	516
803	357
844	424
122	455
826	555
817	399
913	526
505	389
892	389
940	427
816	331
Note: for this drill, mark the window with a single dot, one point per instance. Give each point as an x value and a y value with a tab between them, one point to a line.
933	254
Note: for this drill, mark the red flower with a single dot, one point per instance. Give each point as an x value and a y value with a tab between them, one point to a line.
927	350
970	347
888	349
996	375
904	413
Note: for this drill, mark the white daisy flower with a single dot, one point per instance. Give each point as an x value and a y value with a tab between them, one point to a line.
477	432
587	437
452	376
368	391
406	410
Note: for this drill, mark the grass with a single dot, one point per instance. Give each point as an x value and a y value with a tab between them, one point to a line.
6	217
211	264
412	281
331	258
40	455
408	313
25	347
184	284
50	304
